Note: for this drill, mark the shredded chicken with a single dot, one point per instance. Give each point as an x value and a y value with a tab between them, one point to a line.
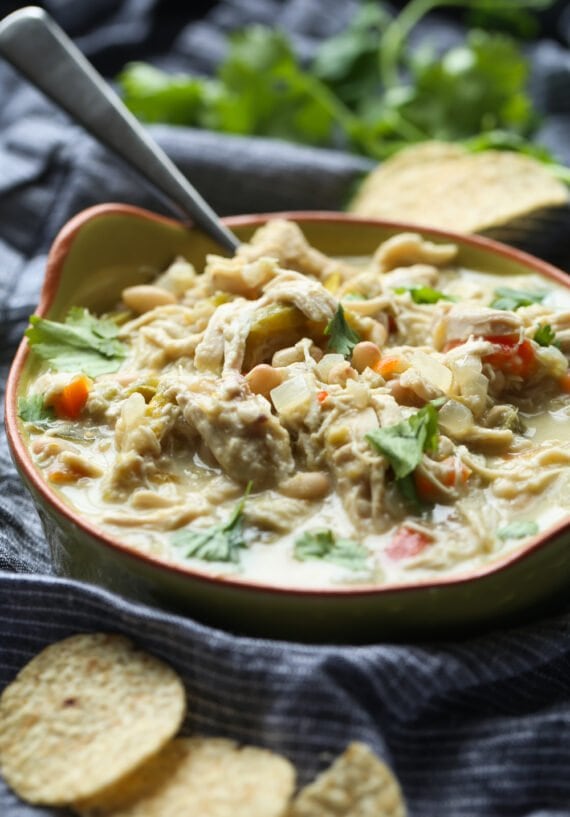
239	429
408	249
460	322
284	241
308	295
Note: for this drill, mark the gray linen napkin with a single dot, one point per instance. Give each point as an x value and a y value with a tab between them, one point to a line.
478	727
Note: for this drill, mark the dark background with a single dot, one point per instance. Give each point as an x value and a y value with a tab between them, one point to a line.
161	21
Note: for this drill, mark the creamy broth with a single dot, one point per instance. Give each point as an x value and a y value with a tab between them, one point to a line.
314	422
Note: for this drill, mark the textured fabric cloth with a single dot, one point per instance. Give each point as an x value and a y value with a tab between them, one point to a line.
477	728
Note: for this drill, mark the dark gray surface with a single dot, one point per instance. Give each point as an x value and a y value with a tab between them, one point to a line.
473	729
70	81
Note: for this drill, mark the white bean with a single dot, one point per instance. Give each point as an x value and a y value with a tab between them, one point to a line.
292	354
365	354
306	485
263	378
340	373
145	297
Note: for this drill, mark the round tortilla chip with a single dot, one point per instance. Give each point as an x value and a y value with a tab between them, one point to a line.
200	777
83	713
357	784
445	186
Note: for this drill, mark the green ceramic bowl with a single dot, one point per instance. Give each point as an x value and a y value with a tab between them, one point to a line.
106	248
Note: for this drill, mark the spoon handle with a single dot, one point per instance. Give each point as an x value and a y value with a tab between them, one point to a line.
38	48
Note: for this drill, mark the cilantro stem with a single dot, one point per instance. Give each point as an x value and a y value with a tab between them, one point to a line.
337	110
393	40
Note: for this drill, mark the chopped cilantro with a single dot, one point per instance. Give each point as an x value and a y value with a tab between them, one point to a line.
81	343
219	543
342	338
404	443
545	335
354	296
424	294
407	488
512	299
517	530
323	544
32	409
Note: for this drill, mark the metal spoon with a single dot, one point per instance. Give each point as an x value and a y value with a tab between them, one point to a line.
37	47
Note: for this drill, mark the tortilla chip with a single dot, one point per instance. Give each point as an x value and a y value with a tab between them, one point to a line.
200	777
83	713
445	186
358	784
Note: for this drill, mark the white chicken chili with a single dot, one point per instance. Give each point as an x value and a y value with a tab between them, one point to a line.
299	420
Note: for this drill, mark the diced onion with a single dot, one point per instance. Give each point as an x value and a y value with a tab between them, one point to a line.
455	419
359	393
466	367
260	271
471	382
553	360
325	365
133	410
291	395
432	370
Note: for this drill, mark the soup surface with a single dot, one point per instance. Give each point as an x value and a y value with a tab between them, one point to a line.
305	421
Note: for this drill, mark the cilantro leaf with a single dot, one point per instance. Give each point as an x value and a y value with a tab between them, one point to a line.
32	409
155	96
545	335
81	343
502	139
323	544
514	17
517	530
512	299
354	296
261	89
343	339
219	543
424	294
408	490
474	87
404	443
348	62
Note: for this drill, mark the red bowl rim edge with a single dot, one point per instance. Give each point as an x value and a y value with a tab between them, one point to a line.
55	260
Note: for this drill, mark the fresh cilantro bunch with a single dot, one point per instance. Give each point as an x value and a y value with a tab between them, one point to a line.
366	90
260	89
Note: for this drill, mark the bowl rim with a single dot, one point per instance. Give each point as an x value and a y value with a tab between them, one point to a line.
20	452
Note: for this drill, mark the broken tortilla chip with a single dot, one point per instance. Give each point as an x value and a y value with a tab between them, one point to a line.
357	784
